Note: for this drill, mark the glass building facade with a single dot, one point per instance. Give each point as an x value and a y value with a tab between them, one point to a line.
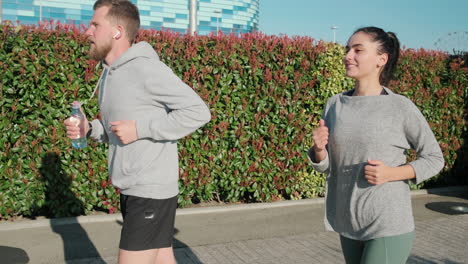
228	16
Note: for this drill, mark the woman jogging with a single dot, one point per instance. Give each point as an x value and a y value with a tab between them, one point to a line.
361	143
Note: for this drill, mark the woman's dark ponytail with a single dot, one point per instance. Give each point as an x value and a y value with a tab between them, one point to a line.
388	43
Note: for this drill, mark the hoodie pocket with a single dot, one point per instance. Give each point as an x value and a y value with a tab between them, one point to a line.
137	156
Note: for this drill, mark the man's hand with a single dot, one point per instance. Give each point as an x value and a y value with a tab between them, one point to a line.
73	131
376	172
125	130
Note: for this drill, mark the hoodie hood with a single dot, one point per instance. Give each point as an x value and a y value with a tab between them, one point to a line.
139	50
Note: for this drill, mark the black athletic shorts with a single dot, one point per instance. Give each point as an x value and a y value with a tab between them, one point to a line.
147	223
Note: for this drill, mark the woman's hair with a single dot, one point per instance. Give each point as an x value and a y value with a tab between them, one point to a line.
388	43
122	12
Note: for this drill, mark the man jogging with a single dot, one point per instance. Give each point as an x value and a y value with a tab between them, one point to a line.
145	108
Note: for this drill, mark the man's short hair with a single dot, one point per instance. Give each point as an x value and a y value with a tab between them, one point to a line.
122	12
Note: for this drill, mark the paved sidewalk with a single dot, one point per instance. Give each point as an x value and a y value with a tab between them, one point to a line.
441	241
284	232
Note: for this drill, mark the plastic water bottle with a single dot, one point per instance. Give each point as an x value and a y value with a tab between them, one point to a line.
78	118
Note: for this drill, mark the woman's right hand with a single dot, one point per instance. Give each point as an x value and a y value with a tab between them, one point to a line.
320	136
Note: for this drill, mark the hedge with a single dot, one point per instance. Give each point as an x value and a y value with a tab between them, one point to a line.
266	94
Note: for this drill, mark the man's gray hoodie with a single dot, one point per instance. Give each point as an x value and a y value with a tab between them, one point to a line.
138	86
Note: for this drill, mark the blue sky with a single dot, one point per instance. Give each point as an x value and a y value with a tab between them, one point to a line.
417	23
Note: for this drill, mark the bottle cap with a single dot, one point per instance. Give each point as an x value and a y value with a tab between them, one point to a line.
76	104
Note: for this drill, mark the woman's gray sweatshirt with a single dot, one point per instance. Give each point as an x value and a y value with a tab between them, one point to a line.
138	86
381	128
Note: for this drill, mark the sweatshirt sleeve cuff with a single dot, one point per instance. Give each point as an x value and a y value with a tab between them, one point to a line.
417	172
321	166
423	171
98	132
143	128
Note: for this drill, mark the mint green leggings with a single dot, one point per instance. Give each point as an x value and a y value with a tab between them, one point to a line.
383	250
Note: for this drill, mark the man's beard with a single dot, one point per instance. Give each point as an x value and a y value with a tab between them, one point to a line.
99	53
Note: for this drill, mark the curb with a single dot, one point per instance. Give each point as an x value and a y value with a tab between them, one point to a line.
252	206
8	226
25	224
454	190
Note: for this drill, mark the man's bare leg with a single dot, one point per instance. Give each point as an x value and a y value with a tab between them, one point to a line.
151	256
142	256
165	256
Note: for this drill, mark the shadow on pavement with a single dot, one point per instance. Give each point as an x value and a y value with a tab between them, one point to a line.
455	191
449	208
183	253
76	243
13	255
59	202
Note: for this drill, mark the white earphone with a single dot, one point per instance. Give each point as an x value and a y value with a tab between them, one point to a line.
116	34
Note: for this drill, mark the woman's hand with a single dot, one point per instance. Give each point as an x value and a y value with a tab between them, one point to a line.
376	172
320	136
